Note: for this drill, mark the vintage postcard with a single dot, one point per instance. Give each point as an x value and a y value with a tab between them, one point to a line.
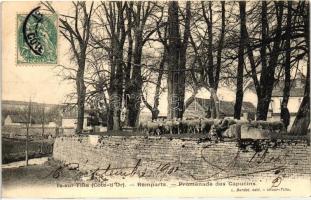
105	99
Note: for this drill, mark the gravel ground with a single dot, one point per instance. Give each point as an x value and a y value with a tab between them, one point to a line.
38	173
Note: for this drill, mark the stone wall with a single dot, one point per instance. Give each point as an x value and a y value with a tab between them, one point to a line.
184	158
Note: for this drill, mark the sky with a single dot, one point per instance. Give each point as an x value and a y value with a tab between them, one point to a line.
21	82
40	82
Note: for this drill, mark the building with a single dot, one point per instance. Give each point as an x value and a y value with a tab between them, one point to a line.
52	124
200	106
69	120
16	120
20	108
296	95
20	119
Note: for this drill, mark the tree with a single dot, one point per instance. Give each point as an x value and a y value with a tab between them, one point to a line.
158	90
210	67
269	62
279	49
287	63
302	120
140	13
239	90
177	48
76	30
132	30
205	73
110	36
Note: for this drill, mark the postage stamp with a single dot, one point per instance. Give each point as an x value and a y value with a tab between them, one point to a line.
36	38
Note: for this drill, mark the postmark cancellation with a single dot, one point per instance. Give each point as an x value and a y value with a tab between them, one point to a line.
37	38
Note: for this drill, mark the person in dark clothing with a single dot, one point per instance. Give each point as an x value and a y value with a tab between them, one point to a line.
285	116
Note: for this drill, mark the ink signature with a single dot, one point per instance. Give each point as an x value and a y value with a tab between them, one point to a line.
160	171
58	171
276	182
234	166
138	169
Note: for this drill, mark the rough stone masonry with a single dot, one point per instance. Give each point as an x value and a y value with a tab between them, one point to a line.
164	158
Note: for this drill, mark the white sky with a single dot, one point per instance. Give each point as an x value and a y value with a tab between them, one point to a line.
22	82
40	83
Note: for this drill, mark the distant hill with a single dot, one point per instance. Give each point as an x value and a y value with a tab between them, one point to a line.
22	104
19	108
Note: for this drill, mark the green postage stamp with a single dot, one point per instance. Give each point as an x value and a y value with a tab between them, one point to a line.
37	38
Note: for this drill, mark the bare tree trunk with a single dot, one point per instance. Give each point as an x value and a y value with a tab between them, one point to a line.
111	89
109	118
221	43
240	73
115	111
118	90
210	65
177	60
81	89
173	56
302	120
136	82
115	95
210	69
115	16
182	61
267	75
262	101
128	69
155	112
287	67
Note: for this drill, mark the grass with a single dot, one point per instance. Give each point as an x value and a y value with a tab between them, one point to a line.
13	149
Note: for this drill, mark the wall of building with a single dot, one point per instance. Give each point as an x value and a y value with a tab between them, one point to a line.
72	122
194	110
185	158
293	104
69	123
8	121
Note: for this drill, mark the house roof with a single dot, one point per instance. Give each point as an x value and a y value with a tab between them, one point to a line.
227	107
19	119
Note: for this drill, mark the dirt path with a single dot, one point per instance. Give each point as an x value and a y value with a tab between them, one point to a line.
38	173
